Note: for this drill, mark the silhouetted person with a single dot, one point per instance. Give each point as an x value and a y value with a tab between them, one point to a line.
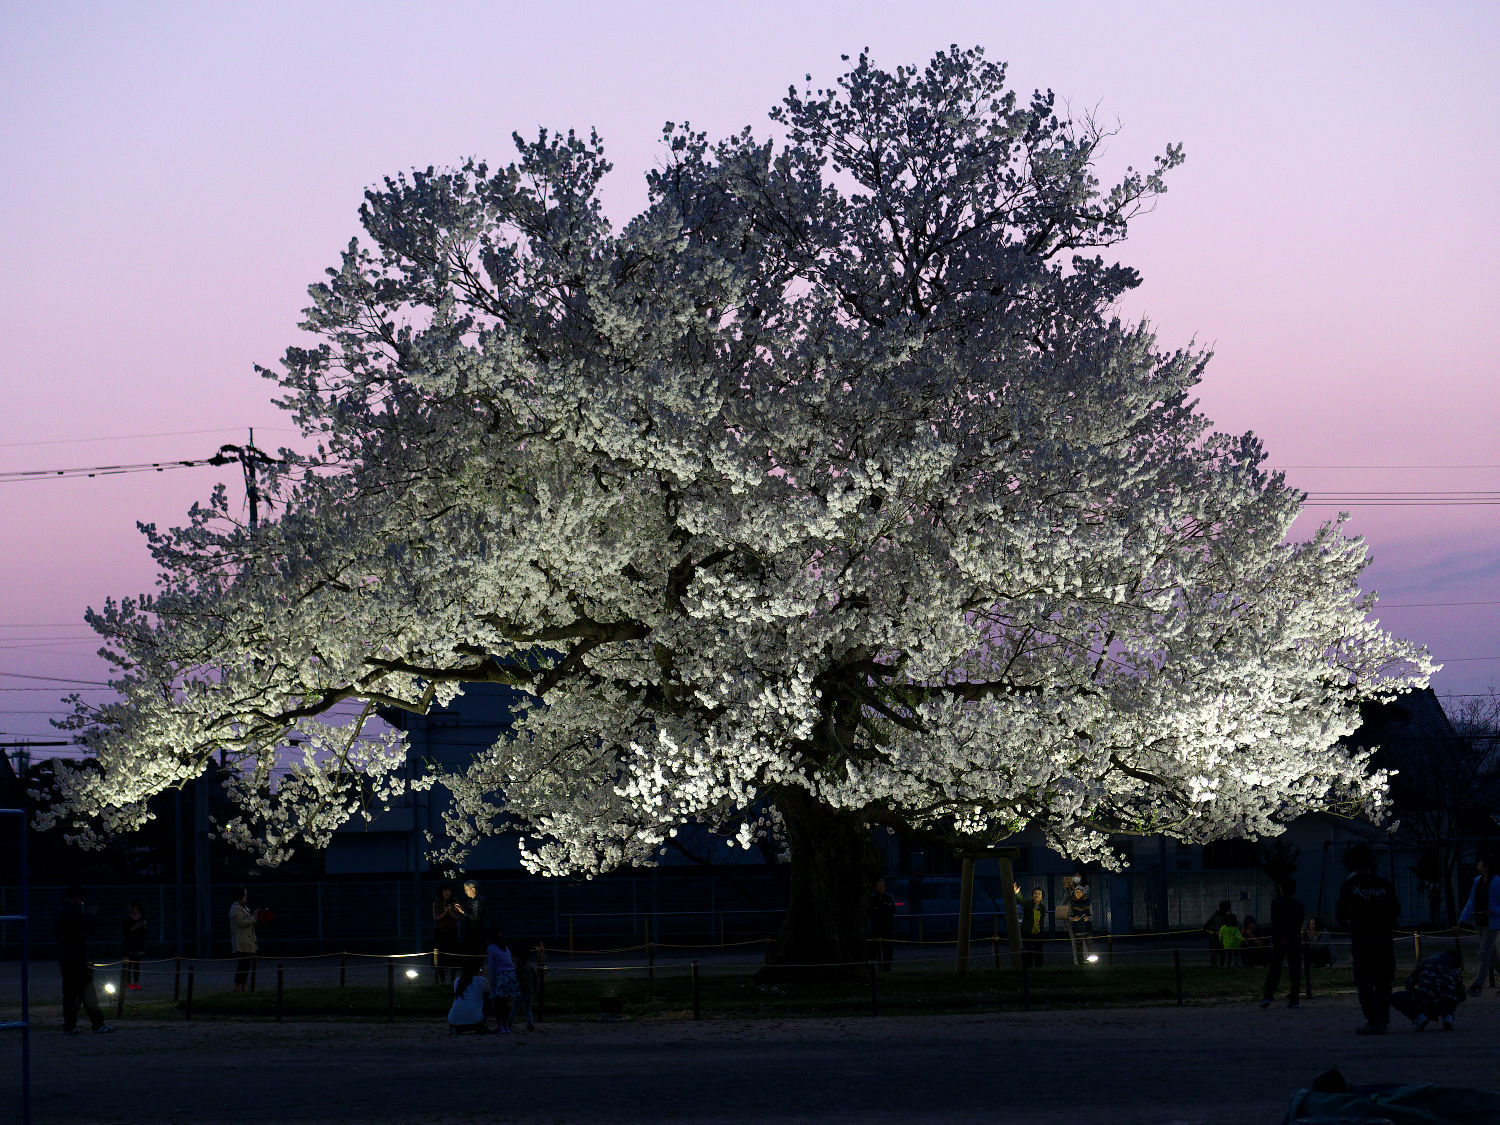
1483	910
472	935
1287	915
444	932
133	943
1211	926
1368	909
73	925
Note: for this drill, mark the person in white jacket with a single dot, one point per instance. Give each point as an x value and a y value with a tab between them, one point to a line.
242	938
470	993
1483	909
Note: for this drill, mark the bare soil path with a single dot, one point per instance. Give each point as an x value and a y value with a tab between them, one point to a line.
1213	1065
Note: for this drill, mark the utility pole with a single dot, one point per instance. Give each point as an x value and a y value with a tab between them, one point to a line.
248	457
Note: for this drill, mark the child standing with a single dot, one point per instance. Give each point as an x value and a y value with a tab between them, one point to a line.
526	980
1230	939
504	987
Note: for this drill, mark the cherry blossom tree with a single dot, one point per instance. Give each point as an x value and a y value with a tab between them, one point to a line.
826	493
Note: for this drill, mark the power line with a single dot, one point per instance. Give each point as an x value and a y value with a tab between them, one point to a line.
133	437
107	470
54	679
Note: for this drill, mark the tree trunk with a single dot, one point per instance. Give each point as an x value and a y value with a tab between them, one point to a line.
833	869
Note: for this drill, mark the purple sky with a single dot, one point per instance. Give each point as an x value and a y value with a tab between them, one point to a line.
173	175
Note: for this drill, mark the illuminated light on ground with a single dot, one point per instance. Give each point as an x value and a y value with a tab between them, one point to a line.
109	988
411	974
1092	958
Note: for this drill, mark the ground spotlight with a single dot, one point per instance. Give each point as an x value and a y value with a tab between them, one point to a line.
1092	958
109	987
411	974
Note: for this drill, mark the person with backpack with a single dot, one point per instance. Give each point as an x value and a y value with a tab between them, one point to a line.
1483	910
1368	909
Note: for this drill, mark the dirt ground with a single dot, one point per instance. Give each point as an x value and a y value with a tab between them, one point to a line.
1217	1065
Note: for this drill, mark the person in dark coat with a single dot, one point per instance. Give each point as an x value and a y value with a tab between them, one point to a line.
1368	909
1212	927
472	935
882	914
133	943
444	932
1287	915
73	925
1483	910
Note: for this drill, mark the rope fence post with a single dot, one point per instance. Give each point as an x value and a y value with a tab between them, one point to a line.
1109	949
390	992
1416	936
1307	968
571	947
1177	972
187	1005
177	981
650	950
343	968
697	1000
1458	951
280	988
874	989
995	949
254	968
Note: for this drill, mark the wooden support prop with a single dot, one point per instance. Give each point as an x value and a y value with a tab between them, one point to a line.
1012	914
965	911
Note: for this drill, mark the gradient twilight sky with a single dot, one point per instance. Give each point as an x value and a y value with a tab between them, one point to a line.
174	175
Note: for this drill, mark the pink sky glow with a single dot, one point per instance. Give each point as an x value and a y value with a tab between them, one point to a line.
175	174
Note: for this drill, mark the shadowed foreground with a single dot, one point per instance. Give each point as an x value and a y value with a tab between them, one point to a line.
1212	1065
